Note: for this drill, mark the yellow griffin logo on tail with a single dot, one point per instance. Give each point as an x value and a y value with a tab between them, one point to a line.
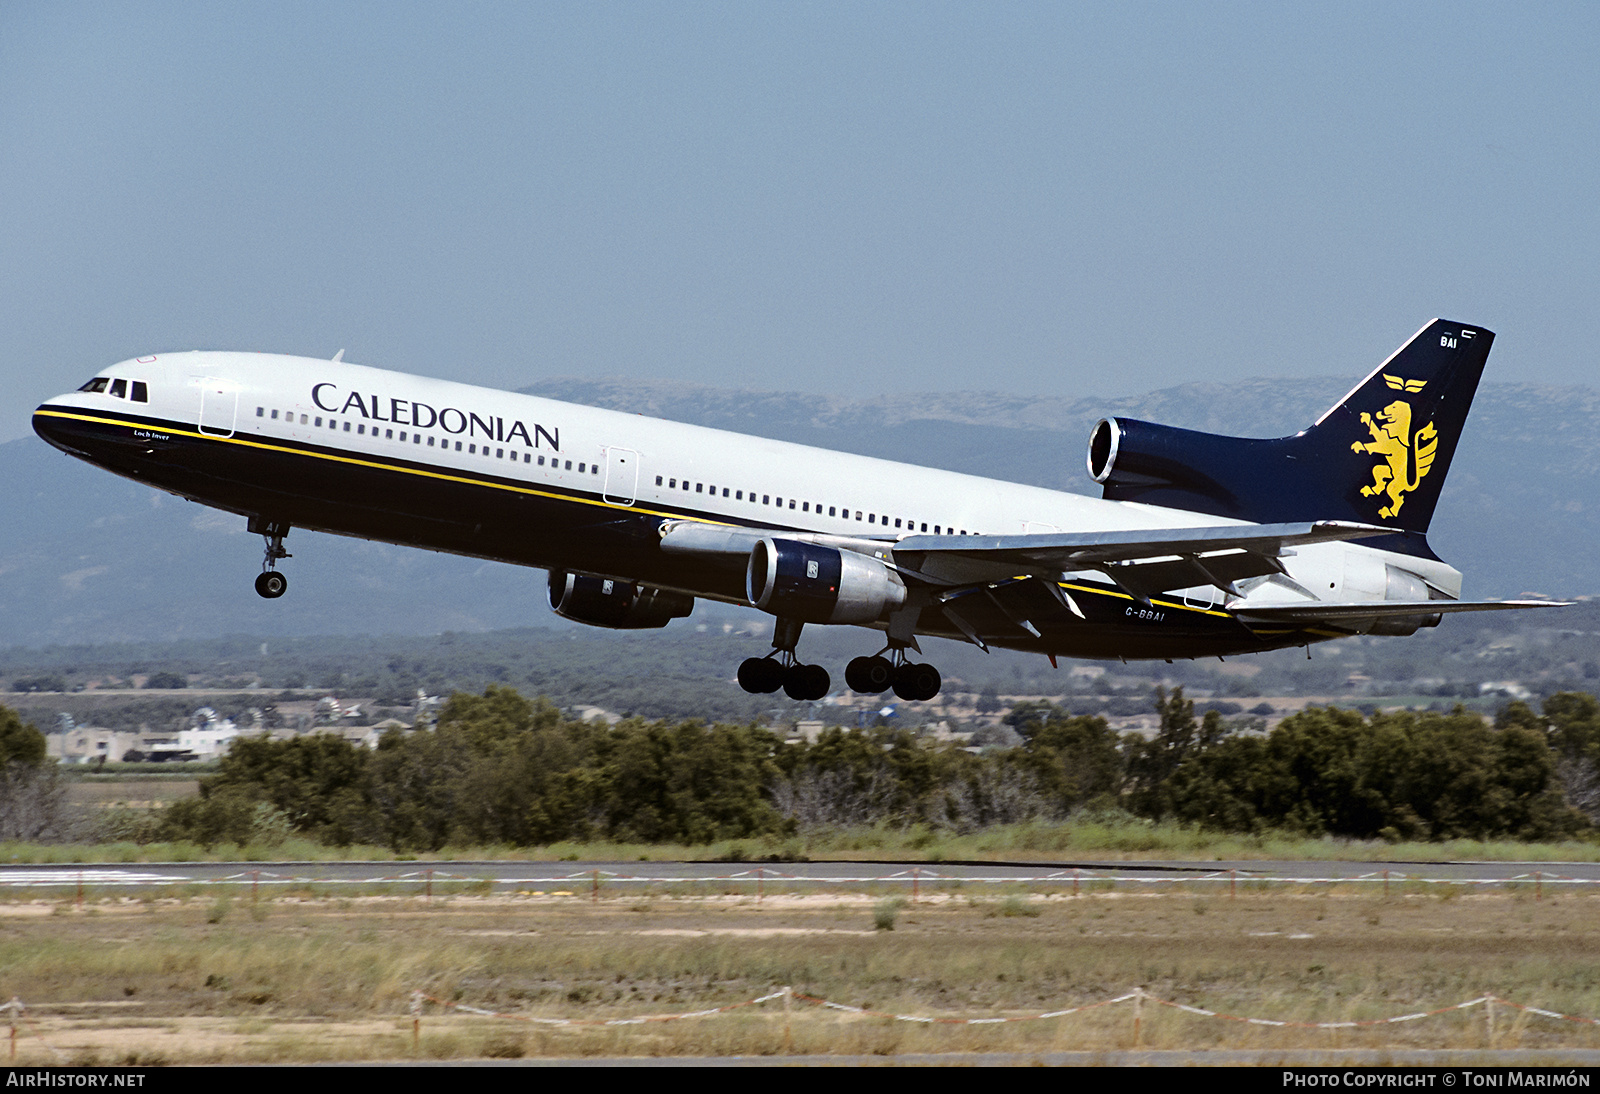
1406	456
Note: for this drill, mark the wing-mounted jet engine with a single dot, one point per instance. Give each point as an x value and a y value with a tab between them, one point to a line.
814	583
619	605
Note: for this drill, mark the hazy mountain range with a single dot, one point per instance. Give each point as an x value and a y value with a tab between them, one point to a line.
86	556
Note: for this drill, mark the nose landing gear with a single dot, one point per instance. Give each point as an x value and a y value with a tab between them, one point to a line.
270	584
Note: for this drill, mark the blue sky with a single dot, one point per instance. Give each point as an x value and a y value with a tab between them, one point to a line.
848	198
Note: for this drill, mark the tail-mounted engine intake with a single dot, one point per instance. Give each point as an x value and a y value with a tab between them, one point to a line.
1131	458
814	584
620	605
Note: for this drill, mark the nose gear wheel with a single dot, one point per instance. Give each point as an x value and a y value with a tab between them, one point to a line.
270	584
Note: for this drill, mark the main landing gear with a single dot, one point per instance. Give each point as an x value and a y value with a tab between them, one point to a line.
270	583
781	669
868	675
876	674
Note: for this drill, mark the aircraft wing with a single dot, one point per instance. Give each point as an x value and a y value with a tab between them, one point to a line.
1142	562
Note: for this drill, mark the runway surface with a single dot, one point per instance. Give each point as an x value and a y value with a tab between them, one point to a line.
503	875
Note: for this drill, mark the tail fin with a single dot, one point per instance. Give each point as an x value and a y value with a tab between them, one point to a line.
1379	456
1404	420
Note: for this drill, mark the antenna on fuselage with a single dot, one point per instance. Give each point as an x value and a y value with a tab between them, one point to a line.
338	357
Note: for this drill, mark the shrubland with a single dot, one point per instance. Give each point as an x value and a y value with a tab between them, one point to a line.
499	769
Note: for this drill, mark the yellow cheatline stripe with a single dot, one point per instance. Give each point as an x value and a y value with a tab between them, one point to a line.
1118	594
354	461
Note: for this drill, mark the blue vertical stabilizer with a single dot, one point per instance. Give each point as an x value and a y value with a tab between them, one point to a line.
1379	456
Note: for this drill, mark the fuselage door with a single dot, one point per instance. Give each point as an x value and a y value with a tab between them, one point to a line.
219	407
622	475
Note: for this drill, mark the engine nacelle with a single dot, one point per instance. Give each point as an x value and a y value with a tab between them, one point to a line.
1404	585
1368	577
620	605
815	584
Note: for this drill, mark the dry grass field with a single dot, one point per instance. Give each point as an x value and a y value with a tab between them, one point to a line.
137	793
181	977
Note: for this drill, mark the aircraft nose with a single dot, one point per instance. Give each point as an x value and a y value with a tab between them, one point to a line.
49	424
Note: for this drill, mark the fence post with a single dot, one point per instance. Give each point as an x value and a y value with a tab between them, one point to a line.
788	1034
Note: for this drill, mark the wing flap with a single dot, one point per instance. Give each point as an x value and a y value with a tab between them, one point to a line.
1145	579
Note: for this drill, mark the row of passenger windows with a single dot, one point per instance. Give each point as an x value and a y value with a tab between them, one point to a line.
118	389
432	441
808	507
586	468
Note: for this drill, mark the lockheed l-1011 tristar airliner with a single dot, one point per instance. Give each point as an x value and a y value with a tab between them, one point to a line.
1200	545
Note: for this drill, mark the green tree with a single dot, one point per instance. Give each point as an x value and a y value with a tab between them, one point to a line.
33	802
1076	759
319	781
1400	775
686	782
1570	725
1161	768
222	815
20	742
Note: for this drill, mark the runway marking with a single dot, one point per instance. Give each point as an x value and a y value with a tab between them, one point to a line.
89	876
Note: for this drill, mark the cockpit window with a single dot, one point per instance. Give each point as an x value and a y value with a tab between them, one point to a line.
119	389
97	384
141	393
